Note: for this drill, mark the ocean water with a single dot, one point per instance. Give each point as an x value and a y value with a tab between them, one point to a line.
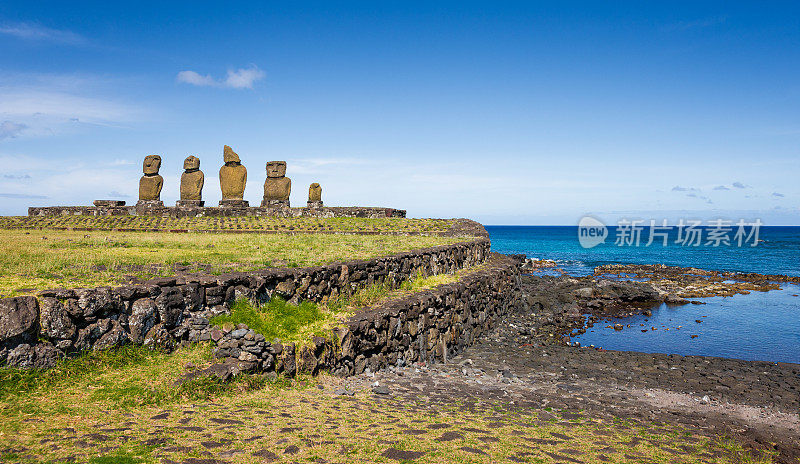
761	326
779	253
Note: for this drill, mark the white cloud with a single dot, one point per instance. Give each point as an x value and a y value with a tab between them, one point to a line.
191	77
242	78
10	129
30	31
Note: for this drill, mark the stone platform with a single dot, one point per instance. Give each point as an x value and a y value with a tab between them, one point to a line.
198	211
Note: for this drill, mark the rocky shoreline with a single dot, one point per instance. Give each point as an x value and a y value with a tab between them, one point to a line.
536	339
529	362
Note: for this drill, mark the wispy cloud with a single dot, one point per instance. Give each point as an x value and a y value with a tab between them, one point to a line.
115	194
41	102
42	105
16	177
23	196
10	129
740	185
32	31
678	188
721	187
778	195
242	78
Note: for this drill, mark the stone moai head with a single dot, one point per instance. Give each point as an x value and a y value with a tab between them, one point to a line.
152	163
191	163
230	156
314	192
276	169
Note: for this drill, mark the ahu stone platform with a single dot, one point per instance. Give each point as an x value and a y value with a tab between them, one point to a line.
108	208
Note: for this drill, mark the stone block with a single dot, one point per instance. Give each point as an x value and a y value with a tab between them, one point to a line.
108	203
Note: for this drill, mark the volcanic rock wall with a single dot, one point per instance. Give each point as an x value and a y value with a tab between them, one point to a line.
424	327
35	331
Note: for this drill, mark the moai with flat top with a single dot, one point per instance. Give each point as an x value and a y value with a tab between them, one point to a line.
277	187
151	182
192	181
314	196
232	180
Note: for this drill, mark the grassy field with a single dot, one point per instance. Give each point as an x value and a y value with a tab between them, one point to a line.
238	223
42	259
123	407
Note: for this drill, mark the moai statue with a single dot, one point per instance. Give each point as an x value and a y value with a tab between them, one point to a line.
232	180
192	181
277	187
314	196
150	184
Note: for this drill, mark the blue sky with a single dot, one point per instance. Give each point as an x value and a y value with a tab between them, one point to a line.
509	113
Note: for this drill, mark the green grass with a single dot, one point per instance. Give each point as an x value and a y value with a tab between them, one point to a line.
127	377
15	382
277	319
39	260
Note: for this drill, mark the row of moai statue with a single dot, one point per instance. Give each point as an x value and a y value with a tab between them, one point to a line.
232	181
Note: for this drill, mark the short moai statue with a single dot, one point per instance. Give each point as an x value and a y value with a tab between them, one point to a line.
232	180
277	187
151	183
192	181
314	196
